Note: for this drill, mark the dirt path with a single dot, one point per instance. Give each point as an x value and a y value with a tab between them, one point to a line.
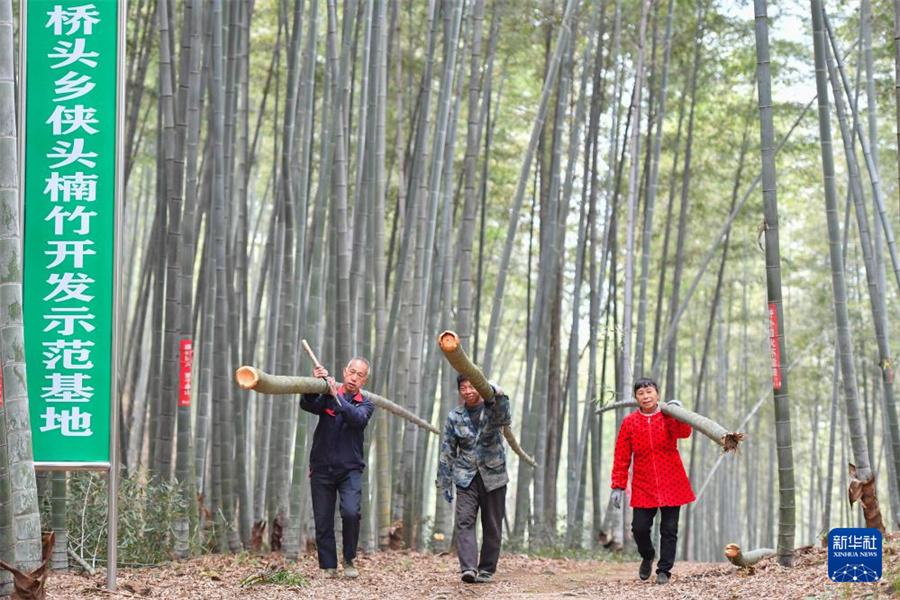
424	576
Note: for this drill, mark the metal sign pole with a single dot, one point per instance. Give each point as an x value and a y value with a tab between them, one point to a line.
112	550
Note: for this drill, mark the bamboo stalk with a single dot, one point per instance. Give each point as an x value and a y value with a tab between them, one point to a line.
251	378
745	559
729	440
459	360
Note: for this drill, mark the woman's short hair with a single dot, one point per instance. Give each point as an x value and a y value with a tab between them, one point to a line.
643	382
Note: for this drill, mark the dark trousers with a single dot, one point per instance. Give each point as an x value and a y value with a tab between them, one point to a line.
324	485
493	507
641	523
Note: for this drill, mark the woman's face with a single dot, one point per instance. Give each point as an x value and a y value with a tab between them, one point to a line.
648	398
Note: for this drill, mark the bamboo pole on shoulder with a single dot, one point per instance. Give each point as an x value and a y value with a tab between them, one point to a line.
251	378
729	440
459	360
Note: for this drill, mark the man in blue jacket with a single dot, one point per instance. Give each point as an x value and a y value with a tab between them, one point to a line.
336	462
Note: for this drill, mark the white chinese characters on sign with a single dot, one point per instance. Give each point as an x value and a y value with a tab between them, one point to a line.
67	392
855	542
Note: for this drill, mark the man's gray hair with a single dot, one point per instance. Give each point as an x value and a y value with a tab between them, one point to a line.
361	359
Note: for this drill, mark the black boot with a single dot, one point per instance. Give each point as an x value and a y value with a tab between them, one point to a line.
646	568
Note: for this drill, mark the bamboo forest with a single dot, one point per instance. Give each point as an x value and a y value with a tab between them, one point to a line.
320	298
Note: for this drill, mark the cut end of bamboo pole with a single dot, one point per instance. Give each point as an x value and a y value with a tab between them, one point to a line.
448	341
246	377
732	551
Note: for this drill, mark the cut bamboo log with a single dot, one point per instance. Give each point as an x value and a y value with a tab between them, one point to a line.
729	440
251	378
746	559
459	360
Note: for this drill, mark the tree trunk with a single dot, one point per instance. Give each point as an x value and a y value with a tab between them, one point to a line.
709	330
632	198
669	386
7	531
222	389
562	42
664	257
26	523
650	198
786	514
467	222
675	319
576	443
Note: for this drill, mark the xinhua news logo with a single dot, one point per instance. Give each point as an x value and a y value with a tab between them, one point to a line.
854	554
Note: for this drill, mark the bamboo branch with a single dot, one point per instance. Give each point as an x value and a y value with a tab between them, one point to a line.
459	360
745	559
727	439
81	562
251	378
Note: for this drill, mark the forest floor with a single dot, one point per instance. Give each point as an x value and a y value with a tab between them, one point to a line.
419	576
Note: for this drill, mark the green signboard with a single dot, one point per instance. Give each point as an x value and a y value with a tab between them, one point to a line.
70	125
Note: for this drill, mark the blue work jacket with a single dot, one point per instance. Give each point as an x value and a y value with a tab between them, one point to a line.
340	435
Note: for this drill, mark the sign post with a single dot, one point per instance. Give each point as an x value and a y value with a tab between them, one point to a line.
72	98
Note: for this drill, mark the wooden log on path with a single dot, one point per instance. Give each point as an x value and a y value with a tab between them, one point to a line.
459	360
251	378
729	440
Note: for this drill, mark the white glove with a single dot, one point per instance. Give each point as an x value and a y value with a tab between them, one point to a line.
676	403
616	497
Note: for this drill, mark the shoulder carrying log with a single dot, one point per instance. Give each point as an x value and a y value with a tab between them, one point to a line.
459	360
729	440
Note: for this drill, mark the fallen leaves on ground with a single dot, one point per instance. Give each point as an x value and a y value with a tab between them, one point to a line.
420	576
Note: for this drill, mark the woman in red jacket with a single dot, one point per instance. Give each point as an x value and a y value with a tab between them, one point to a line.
659	481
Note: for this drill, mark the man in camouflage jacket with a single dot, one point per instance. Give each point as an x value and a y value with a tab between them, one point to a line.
473	458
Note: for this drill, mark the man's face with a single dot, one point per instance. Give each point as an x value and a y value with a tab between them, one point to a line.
469	393
648	398
356	374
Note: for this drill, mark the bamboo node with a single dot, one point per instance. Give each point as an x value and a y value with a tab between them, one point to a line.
246	377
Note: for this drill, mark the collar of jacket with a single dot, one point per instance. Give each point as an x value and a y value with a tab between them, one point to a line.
358	397
655	412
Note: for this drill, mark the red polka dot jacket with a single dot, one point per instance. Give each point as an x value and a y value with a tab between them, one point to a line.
659	478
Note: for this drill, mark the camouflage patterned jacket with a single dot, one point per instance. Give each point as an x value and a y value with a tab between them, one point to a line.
466	449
